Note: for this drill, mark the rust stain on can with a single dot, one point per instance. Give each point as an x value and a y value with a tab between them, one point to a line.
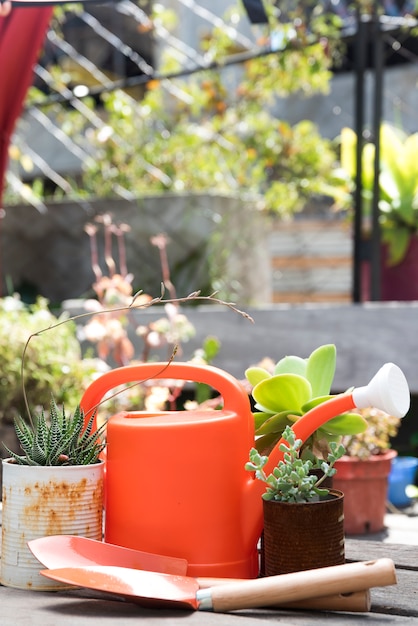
56	503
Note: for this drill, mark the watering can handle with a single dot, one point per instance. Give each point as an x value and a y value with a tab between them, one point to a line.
234	395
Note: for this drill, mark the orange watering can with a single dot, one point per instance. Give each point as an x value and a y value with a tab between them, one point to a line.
175	480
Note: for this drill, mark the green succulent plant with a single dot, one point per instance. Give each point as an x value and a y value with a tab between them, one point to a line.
296	386
292	479
59	440
381	427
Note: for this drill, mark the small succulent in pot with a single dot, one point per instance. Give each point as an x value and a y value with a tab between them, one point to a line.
375	440
292	479
60	440
295	386
54	487
298	512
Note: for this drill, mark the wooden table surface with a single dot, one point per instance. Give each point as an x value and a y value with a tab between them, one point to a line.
397	604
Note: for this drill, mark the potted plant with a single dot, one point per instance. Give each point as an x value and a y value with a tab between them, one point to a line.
54	487
303	522
398	204
362	473
292	387
56	362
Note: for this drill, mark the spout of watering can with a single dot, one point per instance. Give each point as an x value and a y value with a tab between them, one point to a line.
388	391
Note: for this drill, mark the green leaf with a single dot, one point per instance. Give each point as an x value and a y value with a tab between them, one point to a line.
345	424
397	241
259	418
291	365
211	346
254	375
275	424
265	442
315	402
283	392
61	441
348	151
320	369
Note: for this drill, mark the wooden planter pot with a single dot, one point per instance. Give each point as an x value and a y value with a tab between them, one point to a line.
40	501
305	535
365	488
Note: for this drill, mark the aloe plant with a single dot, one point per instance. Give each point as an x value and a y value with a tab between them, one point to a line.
59	440
295	386
398	184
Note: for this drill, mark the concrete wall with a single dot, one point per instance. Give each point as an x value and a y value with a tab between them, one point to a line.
212	239
366	335
215	242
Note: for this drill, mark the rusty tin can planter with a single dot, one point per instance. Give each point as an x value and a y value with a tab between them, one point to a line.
303	535
40	501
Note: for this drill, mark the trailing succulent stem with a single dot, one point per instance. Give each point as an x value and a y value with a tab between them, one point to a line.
59	440
292	480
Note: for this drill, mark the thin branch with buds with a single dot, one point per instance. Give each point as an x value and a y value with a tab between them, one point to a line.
192	297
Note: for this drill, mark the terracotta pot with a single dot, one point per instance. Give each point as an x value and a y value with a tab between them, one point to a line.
303	535
365	488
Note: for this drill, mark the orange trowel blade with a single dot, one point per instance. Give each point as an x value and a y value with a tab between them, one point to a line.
141	587
59	551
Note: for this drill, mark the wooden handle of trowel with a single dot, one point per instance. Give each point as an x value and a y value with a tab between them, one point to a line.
317	583
356	602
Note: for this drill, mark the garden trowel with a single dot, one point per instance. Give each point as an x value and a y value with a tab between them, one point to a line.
59	551
183	592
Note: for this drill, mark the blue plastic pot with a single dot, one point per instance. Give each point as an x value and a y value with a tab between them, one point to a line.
401	475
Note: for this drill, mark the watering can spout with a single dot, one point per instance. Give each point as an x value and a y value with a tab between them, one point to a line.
388	391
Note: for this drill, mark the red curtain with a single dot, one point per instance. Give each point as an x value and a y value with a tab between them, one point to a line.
22	34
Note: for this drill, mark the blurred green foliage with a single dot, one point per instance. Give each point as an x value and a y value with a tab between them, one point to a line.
53	361
215	129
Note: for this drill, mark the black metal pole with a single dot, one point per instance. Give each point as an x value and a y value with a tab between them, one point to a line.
360	65
375	261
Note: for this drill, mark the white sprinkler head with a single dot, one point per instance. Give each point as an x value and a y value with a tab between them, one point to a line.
388	391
